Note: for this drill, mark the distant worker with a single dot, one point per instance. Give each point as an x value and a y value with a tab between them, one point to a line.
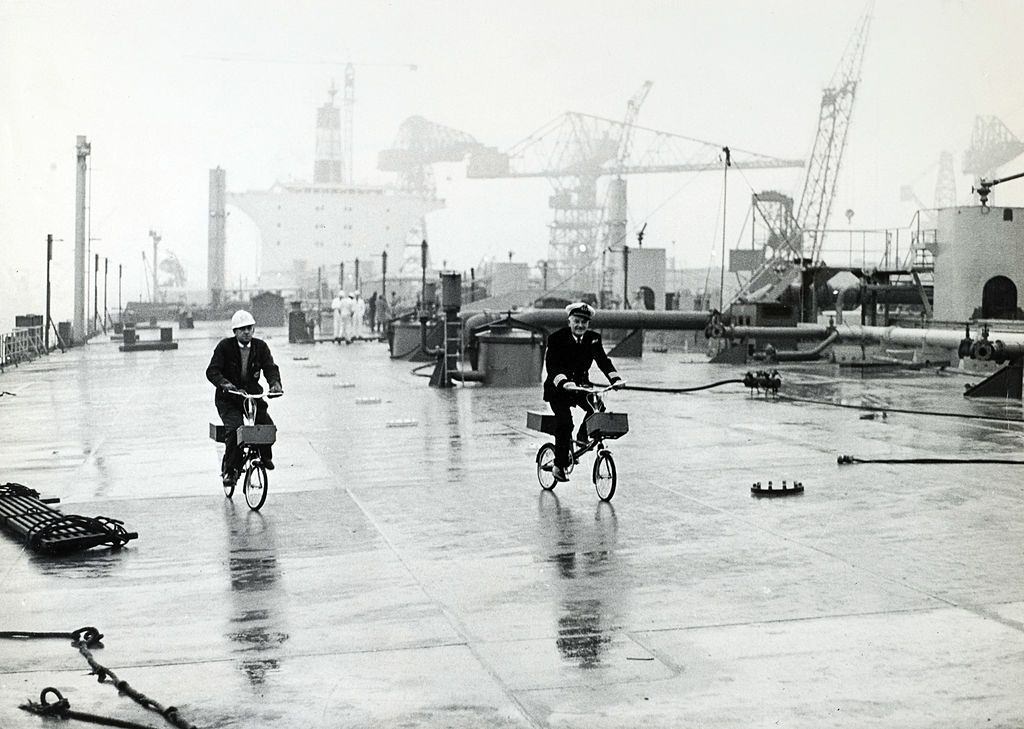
570	353
348	307
383	314
336	318
236	364
371	312
358	315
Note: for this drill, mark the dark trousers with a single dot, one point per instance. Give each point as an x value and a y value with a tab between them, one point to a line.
231	415
561	404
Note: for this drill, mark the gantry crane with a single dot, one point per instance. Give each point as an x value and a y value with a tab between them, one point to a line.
992	145
419	144
574	150
798	239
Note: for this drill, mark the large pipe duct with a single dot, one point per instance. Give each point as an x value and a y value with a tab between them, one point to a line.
801	331
603	319
1009	345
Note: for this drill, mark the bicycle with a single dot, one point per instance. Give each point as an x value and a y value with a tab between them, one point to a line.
250	437
598	427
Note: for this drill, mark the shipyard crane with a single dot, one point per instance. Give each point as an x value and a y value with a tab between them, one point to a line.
992	145
798	239
419	144
575	149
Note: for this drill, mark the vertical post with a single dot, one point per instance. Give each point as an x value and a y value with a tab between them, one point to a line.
423	277
384	276
341	276
120	314
82	150
319	289
95	287
725	190
625	277
46	324
355	275
544	274
106	270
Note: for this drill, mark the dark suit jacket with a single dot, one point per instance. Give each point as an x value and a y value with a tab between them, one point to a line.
565	360
226	366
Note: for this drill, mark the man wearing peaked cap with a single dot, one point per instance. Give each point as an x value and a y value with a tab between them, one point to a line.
570	353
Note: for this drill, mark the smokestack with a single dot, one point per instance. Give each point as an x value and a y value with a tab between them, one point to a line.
82	150
216	238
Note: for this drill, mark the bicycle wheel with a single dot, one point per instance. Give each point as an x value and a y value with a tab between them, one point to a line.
604	475
229	488
545	462
255	485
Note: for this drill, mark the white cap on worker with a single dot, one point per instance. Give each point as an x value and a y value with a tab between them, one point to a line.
242	318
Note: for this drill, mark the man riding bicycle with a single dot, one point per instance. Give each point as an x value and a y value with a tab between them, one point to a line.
236	364
570	352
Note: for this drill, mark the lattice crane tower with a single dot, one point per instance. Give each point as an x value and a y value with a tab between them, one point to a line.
787	262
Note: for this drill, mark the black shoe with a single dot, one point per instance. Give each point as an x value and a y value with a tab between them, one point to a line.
229	478
268	464
559	474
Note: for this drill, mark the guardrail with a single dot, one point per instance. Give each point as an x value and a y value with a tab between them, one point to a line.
21	345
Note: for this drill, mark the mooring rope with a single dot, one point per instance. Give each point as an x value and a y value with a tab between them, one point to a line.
877	409
842	460
682	389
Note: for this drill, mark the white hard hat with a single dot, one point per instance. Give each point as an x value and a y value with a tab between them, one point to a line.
242	318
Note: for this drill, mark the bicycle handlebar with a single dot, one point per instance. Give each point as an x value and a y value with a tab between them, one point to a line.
592	389
249	396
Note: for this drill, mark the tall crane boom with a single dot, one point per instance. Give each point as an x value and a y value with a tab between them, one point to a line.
830	141
790	254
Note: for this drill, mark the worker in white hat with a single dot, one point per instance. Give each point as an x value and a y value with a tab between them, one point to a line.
237	363
570	353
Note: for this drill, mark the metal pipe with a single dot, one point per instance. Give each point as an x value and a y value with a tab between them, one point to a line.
1008	345
810	354
802	331
603	319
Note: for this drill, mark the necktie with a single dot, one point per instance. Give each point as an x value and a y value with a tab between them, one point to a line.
245	361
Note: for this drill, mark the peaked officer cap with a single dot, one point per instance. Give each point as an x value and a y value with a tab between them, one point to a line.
580	308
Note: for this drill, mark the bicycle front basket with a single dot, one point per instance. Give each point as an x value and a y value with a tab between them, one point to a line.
257	434
606	425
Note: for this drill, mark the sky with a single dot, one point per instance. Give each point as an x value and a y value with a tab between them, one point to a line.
165	91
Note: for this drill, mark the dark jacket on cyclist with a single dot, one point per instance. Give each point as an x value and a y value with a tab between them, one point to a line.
225	371
226	368
569	359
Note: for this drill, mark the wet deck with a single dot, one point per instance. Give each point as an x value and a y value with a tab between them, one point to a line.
414	574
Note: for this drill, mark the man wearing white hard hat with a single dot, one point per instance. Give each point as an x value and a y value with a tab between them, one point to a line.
570	353
236	364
